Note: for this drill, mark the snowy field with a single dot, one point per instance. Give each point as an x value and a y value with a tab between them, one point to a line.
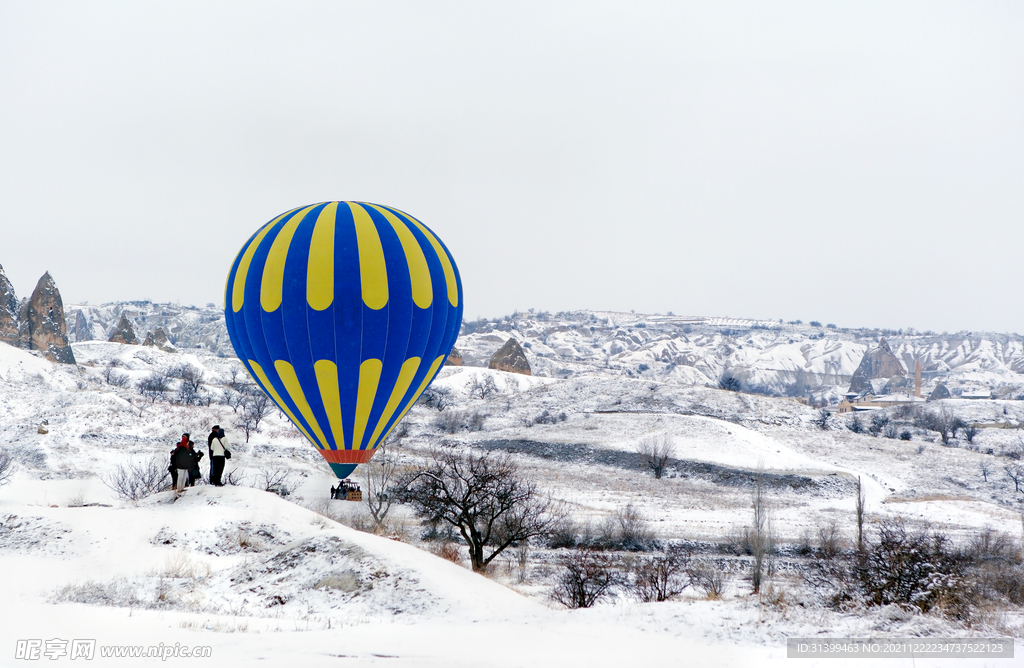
259	576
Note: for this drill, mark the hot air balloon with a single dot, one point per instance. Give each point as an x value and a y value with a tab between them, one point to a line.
343	313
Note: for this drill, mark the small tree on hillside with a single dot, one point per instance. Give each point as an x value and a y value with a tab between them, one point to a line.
483	496
655	452
729	382
256	407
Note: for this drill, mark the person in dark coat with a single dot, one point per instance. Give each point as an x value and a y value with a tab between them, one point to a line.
217	443
182	459
194	473
173	470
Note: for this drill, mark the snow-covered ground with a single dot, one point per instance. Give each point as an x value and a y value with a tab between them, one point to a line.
259	577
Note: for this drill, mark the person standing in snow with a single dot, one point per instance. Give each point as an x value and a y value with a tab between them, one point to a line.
194	473
217	444
182	459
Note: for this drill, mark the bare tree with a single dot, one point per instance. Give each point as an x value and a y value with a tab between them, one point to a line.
380	473
762	540
153	386
823	419
586	577
113	376
6	467
729	382
985	468
483	386
661	577
135	480
655	452
970	432
483	496
256	407
1015	472
860	515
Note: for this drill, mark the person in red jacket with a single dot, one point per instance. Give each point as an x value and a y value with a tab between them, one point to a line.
182	460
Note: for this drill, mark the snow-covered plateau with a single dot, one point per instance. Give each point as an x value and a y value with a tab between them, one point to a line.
292	578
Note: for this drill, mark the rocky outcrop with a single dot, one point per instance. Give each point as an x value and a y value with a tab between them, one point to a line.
42	326
510	357
81	330
454	358
940	392
8	311
124	332
158	339
877	363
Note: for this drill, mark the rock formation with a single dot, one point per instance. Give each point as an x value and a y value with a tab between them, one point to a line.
878	362
8	311
158	339
940	392
42	325
124	332
454	358
510	357
81	330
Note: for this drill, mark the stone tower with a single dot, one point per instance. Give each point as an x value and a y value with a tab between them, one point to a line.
8	311
917	378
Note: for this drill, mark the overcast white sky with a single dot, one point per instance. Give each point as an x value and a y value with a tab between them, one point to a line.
858	163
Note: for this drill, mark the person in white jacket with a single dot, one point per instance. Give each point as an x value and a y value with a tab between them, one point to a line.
218	446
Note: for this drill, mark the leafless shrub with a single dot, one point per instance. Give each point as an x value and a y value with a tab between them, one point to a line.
707	576
911	569
587	576
447	550
855	425
483	496
6	467
438	398
971	432
891	431
274	479
823	419
861	501
830	540
656	452
233	477
660	577
483	386
153	386
547	417
452	421
114	377
137	479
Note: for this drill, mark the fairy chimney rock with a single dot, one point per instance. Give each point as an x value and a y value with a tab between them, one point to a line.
878	362
8	311
123	332
42	325
158	339
454	358
510	357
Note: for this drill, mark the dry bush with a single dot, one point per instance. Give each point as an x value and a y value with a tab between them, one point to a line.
276	479
587	576
136	480
830	540
447	550
660	577
707	576
453	421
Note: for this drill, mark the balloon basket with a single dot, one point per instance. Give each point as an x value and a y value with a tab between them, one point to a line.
347	491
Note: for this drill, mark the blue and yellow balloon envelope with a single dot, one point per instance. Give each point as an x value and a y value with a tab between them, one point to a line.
343	313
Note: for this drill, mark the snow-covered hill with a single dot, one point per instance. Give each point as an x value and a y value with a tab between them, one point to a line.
766	356
257	576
